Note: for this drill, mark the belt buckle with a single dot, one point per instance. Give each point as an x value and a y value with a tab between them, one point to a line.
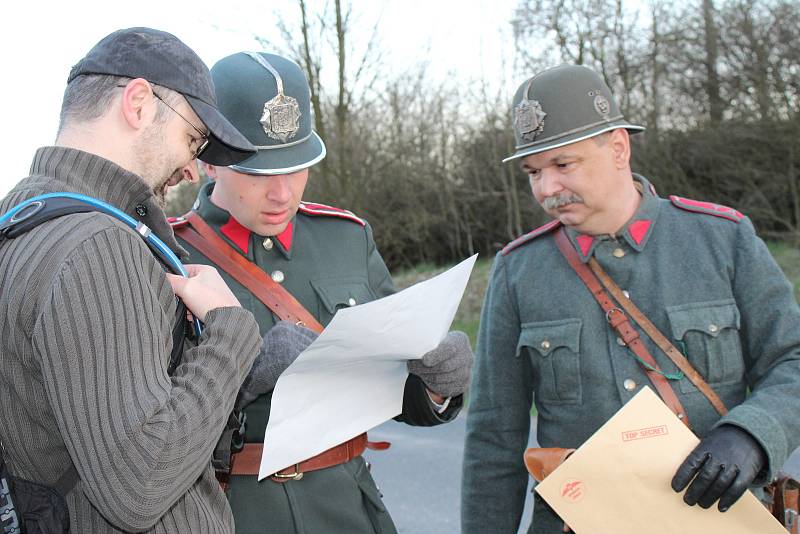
610	312
286	477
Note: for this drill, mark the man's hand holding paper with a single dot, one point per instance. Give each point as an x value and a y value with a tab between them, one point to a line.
618	481
720	468
352	377
447	368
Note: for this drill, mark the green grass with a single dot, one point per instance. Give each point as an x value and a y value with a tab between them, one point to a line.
469	312
788	257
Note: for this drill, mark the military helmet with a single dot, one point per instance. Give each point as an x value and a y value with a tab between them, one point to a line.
267	98
563	105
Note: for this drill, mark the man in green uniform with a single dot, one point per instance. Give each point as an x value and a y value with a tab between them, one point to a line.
697	270
325	258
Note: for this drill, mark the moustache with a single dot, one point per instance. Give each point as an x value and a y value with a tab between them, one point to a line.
556	201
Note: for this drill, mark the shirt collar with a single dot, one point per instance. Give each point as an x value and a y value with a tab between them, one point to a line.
637	230
237	233
57	168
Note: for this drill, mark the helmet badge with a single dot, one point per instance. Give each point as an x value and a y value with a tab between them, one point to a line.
601	103
281	115
529	117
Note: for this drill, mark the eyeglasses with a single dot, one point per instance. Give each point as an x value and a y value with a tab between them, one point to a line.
203	140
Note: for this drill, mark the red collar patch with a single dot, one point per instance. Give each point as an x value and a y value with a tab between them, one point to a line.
638	230
286	236
585	242
237	233
709	208
312	208
530	236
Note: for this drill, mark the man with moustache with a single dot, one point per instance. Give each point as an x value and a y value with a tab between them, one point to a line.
326	258
697	270
89	315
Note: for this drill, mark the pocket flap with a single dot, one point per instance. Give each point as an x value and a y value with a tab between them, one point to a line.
708	317
547	336
338	293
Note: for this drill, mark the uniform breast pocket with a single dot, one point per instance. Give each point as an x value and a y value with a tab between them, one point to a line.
708	335
337	293
554	350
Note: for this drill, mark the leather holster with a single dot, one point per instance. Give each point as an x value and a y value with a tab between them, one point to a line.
543	461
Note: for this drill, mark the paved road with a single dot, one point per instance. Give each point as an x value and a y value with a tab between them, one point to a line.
420	475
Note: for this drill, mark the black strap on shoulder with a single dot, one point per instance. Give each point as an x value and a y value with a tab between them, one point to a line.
41	211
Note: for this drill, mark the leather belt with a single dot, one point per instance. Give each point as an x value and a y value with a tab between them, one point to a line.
248	461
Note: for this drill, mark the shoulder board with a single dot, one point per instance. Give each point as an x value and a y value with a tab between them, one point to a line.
709	208
177	222
530	236
312	208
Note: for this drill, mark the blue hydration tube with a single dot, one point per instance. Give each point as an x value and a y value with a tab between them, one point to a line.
164	252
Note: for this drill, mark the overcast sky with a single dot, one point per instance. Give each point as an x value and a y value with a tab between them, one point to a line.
40	41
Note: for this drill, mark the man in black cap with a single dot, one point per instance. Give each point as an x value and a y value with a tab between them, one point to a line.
326	259
90	315
697	270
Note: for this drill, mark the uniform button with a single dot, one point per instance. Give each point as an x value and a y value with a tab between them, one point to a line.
625	292
277	276
267	244
620	342
545	344
618	253
713	328
141	210
629	384
351	301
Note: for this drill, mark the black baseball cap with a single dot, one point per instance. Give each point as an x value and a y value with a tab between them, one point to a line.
163	59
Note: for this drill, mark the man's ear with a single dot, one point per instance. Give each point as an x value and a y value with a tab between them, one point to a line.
191	172
210	170
620	143
137	104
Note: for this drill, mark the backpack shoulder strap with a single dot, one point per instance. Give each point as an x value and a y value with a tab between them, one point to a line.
29	214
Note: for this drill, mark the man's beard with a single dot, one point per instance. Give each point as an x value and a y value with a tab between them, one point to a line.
160	191
154	165
557	201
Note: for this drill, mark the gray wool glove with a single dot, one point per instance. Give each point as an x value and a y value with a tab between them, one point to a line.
282	344
447	368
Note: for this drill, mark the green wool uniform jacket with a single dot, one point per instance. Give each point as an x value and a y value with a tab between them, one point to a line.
85	341
698	272
327	259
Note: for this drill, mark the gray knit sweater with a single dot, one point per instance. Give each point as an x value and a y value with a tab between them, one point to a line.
85	339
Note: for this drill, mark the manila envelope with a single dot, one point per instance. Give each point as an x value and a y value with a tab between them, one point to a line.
619	480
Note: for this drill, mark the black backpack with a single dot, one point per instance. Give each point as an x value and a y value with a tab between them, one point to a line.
31	508
28	507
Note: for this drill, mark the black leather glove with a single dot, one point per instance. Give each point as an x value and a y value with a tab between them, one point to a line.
282	344
447	368
722	465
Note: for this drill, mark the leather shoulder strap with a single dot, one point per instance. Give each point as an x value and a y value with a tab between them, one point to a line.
617	319
202	237
660	339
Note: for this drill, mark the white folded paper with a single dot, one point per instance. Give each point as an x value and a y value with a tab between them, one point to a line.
351	379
